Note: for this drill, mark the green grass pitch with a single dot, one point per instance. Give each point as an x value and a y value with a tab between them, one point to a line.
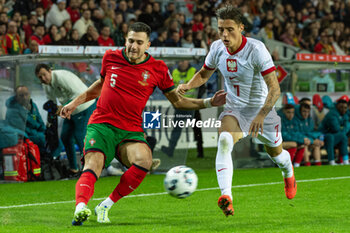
322	204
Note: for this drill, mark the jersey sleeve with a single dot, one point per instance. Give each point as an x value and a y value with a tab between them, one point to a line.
166	82
262	60
210	60
104	63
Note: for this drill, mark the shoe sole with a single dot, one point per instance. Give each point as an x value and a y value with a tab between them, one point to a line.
223	204
101	221
81	217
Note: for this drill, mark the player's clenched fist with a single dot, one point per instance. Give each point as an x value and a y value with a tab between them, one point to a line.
67	110
182	89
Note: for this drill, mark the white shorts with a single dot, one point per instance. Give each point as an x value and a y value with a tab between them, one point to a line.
271	137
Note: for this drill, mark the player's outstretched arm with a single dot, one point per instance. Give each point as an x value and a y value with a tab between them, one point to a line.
184	103
92	92
272	97
201	77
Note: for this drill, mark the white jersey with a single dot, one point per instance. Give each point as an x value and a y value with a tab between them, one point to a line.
243	71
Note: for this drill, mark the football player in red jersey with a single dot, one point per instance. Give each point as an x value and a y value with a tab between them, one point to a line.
128	78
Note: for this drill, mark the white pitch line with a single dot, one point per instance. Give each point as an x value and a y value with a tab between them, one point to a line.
164	193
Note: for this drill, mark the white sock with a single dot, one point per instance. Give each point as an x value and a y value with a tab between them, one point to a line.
80	206
107	202
296	164
284	163
223	163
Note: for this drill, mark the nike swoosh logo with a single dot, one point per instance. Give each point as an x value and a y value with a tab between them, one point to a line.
277	140
221	169
131	187
114	68
232	78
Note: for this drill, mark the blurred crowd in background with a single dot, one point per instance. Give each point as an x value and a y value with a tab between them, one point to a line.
320	26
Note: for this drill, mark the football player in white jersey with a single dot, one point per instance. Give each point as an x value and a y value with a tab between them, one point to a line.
253	89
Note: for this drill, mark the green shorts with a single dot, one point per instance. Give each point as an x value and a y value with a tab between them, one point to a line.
106	138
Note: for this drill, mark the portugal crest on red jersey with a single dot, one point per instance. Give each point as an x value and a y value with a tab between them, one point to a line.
231	65
145	76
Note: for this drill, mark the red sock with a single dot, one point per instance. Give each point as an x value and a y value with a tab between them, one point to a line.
129	181
84	189
299	155
292	152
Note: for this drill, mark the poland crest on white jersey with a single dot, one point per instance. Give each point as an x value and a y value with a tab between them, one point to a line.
243	71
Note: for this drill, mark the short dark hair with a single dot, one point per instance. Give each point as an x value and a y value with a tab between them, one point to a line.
140	27
304	105
304	99
230	12
288	106
341	101
40	66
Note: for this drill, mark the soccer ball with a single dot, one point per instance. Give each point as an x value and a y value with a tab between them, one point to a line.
180	181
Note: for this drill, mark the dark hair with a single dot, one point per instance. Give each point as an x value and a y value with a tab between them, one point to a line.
230	12
40	66
40	24
341	101
140	27
288	106
304	99
304	105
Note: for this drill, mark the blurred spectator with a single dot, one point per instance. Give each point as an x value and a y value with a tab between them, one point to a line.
23	114
63	85
3	29
198	40
83	23
68	26
157	16
170	10
123	9
336	126
40	14
197	22
302	113
14	43
174	40
38	35
33	47
267	32
187	41
52	36
3	17
97	18
322	82
90	37
293	139
146	17
323	46
104	39
109	20
16	17
74	37
26	6
73	10
103	7
120	35
162	37
30	27
57	14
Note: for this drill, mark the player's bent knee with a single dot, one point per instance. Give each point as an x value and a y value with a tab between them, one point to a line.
140	155
273	151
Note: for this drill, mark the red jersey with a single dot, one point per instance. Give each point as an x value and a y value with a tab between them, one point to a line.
126	89
103	42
